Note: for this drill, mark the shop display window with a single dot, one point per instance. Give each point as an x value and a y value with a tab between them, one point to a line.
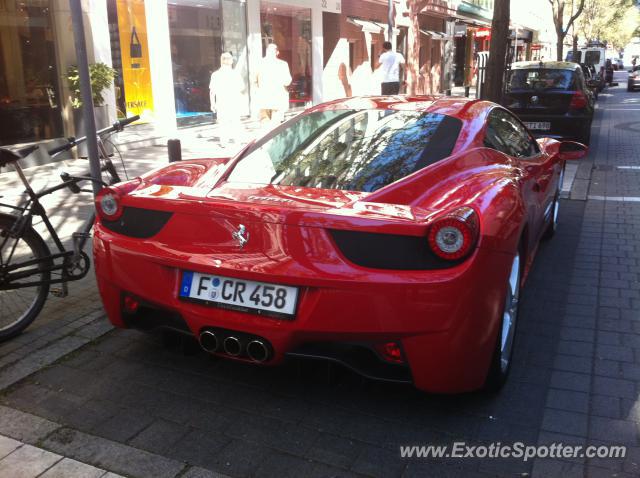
200	32
29	80
289	27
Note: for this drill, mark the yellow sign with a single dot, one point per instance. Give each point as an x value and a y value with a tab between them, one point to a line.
134	48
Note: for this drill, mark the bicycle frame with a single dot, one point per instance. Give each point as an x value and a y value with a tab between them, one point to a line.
30	208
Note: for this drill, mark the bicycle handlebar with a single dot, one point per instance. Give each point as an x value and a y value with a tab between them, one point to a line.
72	142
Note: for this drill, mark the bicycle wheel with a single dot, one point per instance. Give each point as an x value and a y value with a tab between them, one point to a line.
19	307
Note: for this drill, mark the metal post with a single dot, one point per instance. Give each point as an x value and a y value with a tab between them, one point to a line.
174	149
390	21
85	91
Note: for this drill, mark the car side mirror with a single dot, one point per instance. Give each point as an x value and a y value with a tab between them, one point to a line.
572	150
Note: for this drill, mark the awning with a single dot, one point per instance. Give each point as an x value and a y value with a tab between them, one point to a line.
385	28
365	25
436	35
472	21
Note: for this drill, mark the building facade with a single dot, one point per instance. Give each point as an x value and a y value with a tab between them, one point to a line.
164	52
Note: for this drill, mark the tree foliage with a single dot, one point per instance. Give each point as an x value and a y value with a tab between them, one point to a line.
613	21
101	77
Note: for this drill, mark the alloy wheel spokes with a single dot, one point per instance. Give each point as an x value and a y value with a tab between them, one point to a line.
510	314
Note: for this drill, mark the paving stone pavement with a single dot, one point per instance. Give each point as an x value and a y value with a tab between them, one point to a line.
146	405
19	460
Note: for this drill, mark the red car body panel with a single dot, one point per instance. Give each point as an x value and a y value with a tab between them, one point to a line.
445	320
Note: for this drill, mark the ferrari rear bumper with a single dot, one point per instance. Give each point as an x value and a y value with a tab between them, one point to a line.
445	321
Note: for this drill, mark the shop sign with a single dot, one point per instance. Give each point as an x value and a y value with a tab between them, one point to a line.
332	6
134	48
483	33
460	30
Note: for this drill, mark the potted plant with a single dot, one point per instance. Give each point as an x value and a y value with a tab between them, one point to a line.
101	77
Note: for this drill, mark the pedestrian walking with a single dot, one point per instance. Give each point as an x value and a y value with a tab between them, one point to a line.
225	93
391	64
272	80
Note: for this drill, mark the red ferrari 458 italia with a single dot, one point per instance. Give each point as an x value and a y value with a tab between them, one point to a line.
389	234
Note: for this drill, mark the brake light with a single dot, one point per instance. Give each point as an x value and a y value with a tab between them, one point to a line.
578	101
108	204
454	235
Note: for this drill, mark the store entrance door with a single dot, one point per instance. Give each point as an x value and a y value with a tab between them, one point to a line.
289	27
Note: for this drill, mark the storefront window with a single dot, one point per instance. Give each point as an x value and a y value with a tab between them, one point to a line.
29	98
289	28
200	32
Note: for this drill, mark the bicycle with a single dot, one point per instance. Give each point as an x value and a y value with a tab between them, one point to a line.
26	262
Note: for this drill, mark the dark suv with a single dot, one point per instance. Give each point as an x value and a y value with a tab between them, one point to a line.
551	98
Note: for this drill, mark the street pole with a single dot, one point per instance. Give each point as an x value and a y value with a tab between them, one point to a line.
390	21
85	92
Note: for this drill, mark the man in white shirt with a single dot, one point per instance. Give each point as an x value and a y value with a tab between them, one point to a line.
273	78
225	93
391	64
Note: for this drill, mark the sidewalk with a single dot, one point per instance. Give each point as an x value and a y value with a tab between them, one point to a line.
19	460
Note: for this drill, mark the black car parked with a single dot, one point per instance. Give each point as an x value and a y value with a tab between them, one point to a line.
551	98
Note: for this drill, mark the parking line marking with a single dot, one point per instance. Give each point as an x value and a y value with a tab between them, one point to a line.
615	198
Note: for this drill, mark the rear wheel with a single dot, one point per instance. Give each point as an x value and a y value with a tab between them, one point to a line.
555	209
501	362
19	307
585	137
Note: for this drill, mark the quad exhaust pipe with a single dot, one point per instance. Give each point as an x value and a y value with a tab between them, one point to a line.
232	346
256	349
209	341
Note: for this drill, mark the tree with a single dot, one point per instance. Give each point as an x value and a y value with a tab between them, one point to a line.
414	7
611	21
559	13
492	89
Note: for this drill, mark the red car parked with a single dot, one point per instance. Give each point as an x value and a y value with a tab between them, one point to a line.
390	234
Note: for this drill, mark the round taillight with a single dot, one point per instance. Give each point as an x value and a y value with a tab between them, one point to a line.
108	204
454	236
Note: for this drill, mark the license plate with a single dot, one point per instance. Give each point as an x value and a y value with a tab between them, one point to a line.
261	298
539	125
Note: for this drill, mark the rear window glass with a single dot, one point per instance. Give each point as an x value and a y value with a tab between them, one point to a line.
592	57
355	150
541	79
576	58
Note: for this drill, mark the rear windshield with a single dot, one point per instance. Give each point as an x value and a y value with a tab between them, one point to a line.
592	57
355	150
541	79
574	58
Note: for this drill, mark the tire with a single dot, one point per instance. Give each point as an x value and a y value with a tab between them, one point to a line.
19	307
585	137
550	231
503	353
